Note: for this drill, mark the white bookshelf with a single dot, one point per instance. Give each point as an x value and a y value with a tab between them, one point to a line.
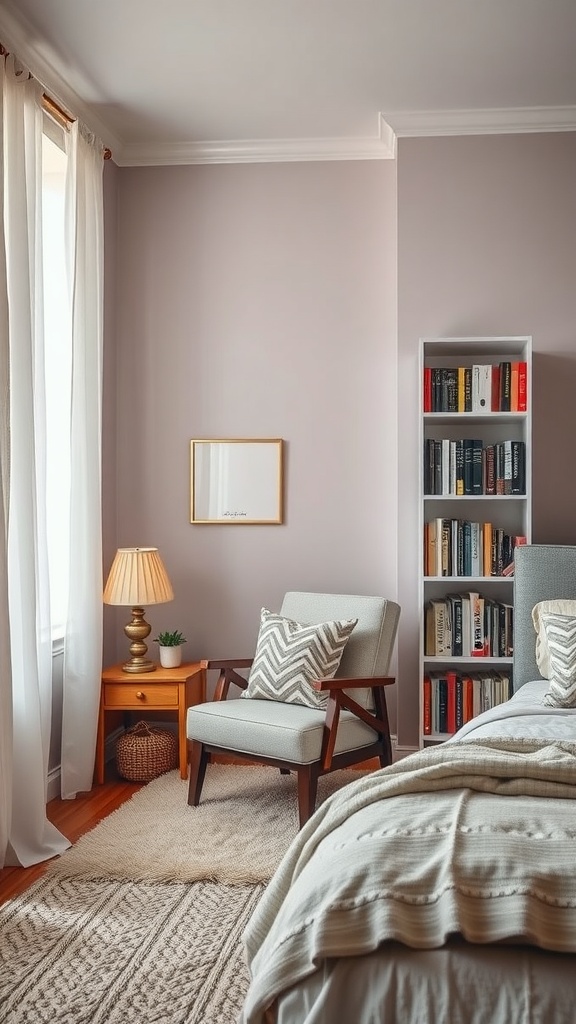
511	513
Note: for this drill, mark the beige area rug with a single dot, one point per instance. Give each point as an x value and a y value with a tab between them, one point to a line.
75	951
238	834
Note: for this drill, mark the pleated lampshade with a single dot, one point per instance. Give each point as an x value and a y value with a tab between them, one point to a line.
137	578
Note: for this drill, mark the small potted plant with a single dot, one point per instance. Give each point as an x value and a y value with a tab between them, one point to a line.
170	646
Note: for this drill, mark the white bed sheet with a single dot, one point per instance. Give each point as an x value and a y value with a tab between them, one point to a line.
523	716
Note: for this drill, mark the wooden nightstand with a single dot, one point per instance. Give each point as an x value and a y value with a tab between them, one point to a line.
166	689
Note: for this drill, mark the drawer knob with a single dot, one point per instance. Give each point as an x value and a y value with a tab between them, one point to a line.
139	694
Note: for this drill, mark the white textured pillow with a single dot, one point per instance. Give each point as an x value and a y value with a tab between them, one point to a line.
289	655
559	606
560	631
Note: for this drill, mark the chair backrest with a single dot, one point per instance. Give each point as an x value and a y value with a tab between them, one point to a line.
369	649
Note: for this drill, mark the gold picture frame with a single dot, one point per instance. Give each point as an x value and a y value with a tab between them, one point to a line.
236	481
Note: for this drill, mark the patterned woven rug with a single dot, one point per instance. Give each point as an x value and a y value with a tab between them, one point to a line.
141	921
238	834
74	951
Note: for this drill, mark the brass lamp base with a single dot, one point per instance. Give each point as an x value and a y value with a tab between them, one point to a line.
137	630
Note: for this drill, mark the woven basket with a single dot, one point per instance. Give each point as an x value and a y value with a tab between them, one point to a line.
144	752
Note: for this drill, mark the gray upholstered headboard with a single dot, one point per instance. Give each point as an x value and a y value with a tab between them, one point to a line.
541	572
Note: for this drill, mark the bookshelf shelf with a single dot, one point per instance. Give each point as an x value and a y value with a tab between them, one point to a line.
474	507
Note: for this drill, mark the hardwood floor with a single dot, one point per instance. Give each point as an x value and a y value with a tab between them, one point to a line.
72	818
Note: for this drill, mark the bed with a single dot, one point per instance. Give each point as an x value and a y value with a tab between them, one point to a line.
441	888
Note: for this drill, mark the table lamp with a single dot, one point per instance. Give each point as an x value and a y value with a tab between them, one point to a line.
137	577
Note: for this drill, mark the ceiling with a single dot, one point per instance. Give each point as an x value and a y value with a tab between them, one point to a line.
183	81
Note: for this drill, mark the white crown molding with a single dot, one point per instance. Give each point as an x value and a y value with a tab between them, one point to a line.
18	37
243	151
504	121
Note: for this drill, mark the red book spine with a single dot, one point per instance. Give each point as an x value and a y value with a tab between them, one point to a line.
522	387
427	706
427	389
514	374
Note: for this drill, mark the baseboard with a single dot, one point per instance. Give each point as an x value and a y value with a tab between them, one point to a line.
53	789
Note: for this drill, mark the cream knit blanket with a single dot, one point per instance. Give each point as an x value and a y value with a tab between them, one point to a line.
476	837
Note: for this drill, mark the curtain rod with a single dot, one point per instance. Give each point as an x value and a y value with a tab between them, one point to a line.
63	118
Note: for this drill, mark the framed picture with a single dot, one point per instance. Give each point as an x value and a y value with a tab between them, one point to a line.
236	481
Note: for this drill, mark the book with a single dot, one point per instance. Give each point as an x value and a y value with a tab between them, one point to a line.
450	701
461	389
427	390
427	705
495	397
468	449
451	386
446	569
481	387
442	644
445	472
490	470
459	467
476	466
514	386
507	467
518	470
455	609
477	614
466	624
428	467
466	548
442	704
459	702
486	549
475	551
468	389
522	386
437	467
467	688
505	385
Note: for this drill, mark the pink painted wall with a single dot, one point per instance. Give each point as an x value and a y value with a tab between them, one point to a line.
487	246
255	301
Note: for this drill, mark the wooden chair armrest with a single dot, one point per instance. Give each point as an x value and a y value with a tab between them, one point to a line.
338	698
229	675
353	684
230	663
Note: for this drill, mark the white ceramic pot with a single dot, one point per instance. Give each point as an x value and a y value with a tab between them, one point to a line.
170	657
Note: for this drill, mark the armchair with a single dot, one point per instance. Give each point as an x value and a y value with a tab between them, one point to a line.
309	741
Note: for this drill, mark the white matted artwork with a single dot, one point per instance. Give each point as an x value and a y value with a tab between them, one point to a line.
236	481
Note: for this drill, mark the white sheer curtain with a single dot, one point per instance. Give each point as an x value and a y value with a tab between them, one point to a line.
31	837
5	668
83	639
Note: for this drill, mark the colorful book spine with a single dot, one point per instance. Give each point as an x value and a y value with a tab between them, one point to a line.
522	386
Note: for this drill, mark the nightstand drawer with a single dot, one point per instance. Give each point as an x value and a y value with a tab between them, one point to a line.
122	695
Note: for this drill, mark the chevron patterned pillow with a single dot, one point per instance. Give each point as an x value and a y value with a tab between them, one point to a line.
560	633
289	655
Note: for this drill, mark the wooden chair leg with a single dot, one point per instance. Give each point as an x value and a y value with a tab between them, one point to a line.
385	758
307	789
198	762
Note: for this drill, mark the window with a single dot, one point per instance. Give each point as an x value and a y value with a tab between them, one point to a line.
58	366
